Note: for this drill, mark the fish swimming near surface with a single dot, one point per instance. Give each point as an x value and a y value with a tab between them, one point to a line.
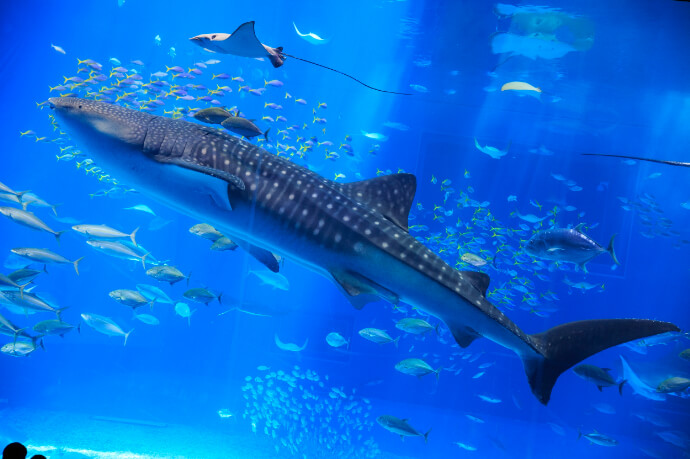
354	234
568	244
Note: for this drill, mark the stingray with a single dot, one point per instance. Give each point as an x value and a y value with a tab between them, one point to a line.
243	42
660	161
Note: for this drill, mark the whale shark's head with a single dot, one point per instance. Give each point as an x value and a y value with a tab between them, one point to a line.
100	123
111	135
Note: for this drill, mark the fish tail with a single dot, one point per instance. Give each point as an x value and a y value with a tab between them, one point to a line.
79	328
54	207
57	235
76	265
438	372
58	312
219	296
143	259
133	237
395	341
610	250
21	289
426	435
563	346
579	433
188	276
266	134
127	336
620	386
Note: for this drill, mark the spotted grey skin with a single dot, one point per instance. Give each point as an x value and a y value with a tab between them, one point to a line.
354	234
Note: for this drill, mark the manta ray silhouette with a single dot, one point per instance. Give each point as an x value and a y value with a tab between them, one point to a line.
243	42
660	161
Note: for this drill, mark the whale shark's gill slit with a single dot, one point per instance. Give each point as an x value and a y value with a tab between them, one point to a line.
283	54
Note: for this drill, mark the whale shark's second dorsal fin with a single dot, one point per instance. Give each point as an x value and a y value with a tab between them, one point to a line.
390	195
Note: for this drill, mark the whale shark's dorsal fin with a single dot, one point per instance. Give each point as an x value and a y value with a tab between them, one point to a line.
390	195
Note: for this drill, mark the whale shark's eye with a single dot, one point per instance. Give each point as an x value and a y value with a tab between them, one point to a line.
80	106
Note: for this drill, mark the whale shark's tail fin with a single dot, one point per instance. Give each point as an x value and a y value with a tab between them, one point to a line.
565	345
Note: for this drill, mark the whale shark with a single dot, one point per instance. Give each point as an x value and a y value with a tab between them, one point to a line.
355	234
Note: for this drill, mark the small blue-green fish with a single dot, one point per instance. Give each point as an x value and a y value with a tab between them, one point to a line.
567	244
153	293
45	256
598	438
336	340
378	336
202	295
416	367
117	250
148	319
599	376
400	427
142	208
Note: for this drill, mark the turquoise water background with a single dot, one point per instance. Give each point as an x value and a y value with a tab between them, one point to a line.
160	395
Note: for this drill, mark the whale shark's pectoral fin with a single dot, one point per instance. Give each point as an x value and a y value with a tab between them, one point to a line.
360	291
389	195
217	173
464	336
263	256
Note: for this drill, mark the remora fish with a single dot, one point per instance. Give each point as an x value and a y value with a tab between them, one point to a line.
353	233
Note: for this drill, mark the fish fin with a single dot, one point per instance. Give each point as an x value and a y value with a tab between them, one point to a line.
463	335
263	256
583	267
563	346
355	285
611	251
600	388
143	259
390	195
127	336
132	237
620	386
580	228
438	372
479	280
396	341
266	134
579	433
426	436
57	236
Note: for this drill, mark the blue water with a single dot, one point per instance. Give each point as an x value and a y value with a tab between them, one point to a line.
626	91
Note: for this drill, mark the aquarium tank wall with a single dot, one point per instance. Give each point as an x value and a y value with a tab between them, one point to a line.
317	229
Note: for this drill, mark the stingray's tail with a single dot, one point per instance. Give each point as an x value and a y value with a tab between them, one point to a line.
565	345
660	161
343	73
